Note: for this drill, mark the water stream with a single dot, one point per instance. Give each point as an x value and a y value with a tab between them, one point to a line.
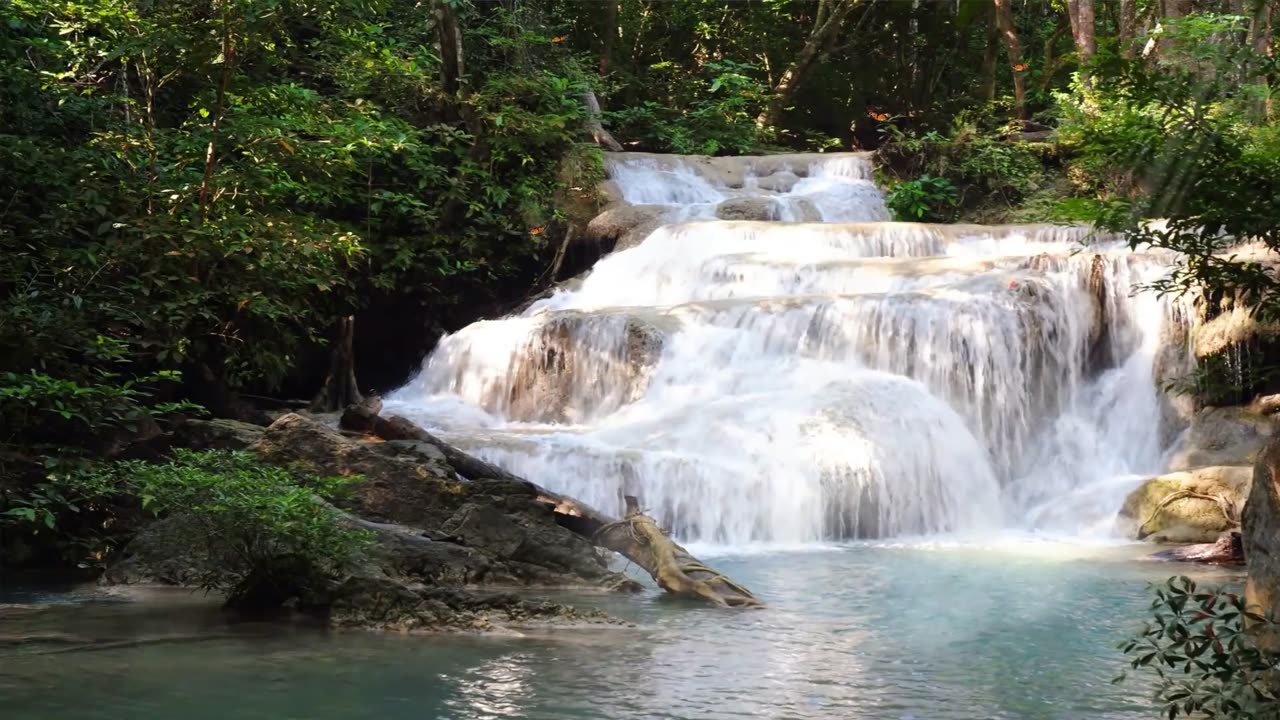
844	377
910	440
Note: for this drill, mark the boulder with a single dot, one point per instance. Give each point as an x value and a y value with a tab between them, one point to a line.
622	226
1260	528
216	434
510	537
782	181
748	208
1223	436
390	603
1194	506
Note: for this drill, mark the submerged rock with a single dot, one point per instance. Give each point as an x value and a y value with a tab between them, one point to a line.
1228	549
748	208
387	603
1194	506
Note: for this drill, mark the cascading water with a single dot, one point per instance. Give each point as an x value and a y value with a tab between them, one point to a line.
845	376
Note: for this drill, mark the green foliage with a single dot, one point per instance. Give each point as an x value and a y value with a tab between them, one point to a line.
208	191
248	530
34	405
1204	648
925	199
1183	155
709	112
980	163
253	532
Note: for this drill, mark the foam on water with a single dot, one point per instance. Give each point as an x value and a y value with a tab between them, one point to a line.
789	383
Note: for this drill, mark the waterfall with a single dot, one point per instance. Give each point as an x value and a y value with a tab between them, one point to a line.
821	374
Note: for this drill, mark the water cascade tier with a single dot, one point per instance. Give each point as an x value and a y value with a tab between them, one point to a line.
816	372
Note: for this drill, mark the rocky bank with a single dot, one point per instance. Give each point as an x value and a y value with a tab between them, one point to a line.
447	550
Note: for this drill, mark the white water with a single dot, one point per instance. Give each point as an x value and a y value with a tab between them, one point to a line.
790	382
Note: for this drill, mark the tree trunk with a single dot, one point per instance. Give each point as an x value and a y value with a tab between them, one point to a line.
1261	38
987	90
1013	49
1081	14
449	37
822	36
598	133
636	536
1260	526
1178	8
1128	26
609	35
340	389
1049	68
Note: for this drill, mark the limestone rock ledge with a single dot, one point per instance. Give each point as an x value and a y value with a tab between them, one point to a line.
443	546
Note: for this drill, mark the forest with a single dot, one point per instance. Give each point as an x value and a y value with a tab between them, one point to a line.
209	209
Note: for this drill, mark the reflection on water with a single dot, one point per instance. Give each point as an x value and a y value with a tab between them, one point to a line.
867	631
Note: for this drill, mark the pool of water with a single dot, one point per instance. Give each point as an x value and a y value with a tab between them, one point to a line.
1010	629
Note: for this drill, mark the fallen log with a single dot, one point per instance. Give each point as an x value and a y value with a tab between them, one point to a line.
636	536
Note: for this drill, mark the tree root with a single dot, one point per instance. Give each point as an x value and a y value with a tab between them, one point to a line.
638	537
1225	505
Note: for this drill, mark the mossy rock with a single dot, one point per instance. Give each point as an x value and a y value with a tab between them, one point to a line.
1193	506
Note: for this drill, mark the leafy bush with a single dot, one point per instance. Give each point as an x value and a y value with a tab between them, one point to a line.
254	532
983	166
931	199
208	191
696	113
1203	647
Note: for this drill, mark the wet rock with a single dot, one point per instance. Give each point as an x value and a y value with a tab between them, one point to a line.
1260	528
1188	507
557	375
414	491
1223	436
622	226
388	603
1228	549
513	538
779	182
748	208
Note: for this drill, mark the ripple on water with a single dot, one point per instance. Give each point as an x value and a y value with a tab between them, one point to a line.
937	630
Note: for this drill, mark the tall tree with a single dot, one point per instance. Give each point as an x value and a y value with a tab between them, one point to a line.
1013	49
828	21
1080	13
1262	40
1127	26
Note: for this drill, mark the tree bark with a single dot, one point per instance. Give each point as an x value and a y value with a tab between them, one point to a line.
598	133
1261	39
449	37
636	536
987	91
340	389
1128	26
1013	49
822	36
609	35
1081	14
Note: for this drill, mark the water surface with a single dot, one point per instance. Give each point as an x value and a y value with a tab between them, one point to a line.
918	630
